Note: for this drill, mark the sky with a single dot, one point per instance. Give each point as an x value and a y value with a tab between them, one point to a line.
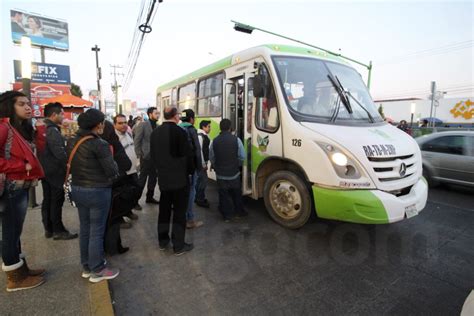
410	43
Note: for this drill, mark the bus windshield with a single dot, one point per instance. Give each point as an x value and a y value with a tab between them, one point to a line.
311	96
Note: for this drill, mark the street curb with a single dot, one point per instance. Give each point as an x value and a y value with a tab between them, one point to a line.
100	300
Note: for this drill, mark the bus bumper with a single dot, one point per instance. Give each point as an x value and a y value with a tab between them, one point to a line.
369	206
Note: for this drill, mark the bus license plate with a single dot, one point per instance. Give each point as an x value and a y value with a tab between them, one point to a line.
411	211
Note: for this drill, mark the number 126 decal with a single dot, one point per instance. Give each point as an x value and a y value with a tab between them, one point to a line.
296	142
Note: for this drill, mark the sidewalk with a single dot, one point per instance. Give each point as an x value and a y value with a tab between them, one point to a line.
64	291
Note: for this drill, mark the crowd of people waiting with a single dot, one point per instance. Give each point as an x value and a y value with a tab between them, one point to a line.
106	166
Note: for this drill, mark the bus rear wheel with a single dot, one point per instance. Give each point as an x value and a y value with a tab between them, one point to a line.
287	199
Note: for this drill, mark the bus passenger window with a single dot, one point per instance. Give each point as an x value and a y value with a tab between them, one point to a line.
210	96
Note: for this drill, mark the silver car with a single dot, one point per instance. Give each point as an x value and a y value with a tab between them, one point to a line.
448	157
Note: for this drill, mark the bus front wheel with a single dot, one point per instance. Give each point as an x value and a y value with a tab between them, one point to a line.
287	199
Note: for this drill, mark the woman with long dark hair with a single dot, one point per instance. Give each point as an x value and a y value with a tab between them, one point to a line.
21	170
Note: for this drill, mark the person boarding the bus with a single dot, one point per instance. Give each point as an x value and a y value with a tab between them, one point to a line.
226	154
204	142
187	124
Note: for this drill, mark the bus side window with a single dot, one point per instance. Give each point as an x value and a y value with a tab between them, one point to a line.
210	96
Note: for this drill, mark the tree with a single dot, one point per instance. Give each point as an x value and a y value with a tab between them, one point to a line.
381	111
76	90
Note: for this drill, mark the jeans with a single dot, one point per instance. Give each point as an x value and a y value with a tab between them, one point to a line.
201	185
52	207
147	170
16	203
172	201
93	205
192	194
230	192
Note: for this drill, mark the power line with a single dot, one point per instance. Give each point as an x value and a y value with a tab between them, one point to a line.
135	50
428	52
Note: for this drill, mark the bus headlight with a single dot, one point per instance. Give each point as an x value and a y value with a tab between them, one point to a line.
344	166
339	159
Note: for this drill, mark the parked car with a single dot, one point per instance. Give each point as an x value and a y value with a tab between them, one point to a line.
448	157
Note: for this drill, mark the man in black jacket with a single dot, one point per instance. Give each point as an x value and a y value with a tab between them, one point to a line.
54	160
173	159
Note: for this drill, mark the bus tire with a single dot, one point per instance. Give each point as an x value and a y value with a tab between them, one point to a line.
287	199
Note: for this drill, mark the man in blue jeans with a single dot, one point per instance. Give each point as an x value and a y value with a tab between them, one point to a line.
187	119
226	154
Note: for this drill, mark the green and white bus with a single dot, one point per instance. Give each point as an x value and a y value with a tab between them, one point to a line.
313	136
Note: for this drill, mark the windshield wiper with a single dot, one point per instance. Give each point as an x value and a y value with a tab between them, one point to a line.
371	118
342	95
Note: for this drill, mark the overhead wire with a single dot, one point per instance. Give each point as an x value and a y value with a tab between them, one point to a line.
427	52
141	31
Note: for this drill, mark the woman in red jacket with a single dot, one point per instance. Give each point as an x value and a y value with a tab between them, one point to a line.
22	169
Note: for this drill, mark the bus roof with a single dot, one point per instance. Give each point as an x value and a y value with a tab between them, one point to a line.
271	49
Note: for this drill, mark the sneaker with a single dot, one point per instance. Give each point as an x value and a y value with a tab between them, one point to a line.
204	203
132	216
193	224
86	274
182	251
137	207
165	247
241	215
48	234
104	274
64	236
152	201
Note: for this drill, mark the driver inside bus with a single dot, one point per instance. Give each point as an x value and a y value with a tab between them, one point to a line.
307	103
316	98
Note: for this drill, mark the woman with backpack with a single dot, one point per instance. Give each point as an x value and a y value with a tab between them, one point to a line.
20	170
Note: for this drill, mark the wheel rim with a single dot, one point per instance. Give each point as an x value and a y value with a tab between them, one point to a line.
285	199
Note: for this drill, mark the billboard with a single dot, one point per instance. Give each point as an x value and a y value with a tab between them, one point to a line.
43	31
45	73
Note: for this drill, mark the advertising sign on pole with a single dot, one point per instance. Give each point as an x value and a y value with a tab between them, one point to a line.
45	73
43	31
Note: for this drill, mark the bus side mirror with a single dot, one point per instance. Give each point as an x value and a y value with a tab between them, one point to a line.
259	86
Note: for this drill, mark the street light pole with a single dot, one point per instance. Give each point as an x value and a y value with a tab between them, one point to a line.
245	28
96	49
26	87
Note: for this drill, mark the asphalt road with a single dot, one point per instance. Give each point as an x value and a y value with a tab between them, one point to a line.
421	266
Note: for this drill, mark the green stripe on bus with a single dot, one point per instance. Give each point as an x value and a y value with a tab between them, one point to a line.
356	206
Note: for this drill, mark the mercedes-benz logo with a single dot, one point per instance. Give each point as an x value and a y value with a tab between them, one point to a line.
403	170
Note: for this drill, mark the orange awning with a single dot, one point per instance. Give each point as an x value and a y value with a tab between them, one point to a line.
68	100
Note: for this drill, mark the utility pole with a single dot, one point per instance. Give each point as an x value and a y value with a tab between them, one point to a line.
96	49
115	88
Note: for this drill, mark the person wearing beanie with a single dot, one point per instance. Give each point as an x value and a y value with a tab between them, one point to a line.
93	170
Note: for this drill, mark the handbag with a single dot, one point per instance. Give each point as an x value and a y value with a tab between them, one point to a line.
8	147
67	180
